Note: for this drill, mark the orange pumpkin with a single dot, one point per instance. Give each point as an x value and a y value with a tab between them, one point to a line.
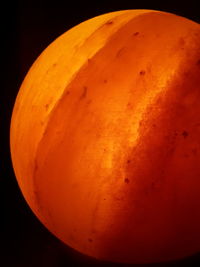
105	137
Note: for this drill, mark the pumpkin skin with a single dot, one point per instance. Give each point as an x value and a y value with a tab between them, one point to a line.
105	137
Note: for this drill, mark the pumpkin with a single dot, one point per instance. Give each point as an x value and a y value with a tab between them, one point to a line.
105	137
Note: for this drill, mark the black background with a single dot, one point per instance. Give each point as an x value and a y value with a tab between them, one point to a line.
27	28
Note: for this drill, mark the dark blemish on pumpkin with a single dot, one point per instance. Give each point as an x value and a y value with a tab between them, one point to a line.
37	197
142	72
185	134
129	105
119	52
46	106
89	101
136	34
84	93
54	65
105	81
186	155
104	199
182	42
35	167
90	240
119	198
153	125
194	151
128	161
198	63
126	180
68	92
110	22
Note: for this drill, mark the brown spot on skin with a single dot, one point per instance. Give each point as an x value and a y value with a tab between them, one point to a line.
104	199
120	51
182	42
54	65
142	72
109	22
198	63
136	34
126	180
35	167
90	240
129	106
194	151
46	106
128	161
105	81
84	93
89	101
119	198
185	134
68	92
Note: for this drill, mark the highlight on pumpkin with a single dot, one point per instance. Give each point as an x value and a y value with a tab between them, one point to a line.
105	137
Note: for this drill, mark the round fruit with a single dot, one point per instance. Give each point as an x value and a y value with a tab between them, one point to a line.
105	137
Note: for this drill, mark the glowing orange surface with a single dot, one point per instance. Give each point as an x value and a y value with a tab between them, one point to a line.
105	137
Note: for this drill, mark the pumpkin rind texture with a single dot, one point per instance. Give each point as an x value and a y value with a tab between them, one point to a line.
105	137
